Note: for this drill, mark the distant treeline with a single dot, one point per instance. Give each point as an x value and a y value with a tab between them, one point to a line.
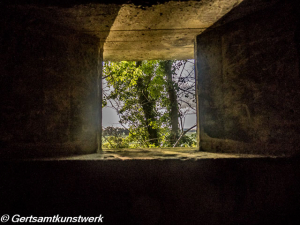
119	131
114	131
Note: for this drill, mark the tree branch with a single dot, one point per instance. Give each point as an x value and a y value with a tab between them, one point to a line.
188	104
182	134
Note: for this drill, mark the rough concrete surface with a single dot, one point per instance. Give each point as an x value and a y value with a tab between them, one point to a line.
163	192
163	31
247	90
138	32
48	84
248	78
177	153
248	61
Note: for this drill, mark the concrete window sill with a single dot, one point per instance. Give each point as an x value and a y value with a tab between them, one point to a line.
153	154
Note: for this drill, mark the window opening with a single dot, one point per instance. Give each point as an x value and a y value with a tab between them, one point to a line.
149	104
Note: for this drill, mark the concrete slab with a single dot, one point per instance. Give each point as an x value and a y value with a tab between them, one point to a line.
162	31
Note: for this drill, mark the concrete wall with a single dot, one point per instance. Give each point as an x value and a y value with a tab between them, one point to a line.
49	99
248	80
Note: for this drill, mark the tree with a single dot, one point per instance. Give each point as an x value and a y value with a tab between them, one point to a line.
135	94
184	77
173	103
147	102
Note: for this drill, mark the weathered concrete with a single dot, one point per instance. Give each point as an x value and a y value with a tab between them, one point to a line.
163	31
248	79
50	73
140	31
177	153
49	102
247	82
50	85
50	78
208	191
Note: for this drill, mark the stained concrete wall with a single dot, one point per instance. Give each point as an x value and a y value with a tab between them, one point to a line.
248	80
49	99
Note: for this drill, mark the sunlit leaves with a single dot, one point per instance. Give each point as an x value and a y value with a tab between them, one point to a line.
125	80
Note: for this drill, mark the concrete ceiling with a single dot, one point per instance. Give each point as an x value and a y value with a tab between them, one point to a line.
164	31
161	31
140	32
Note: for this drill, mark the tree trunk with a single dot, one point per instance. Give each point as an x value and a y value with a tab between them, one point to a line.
173	102
148	108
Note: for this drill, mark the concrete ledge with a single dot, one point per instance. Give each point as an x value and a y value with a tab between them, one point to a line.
40	150
74	153
237	147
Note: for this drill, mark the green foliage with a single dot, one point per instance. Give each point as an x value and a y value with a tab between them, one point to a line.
130	85
137	89
113	137
188	141
115	142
